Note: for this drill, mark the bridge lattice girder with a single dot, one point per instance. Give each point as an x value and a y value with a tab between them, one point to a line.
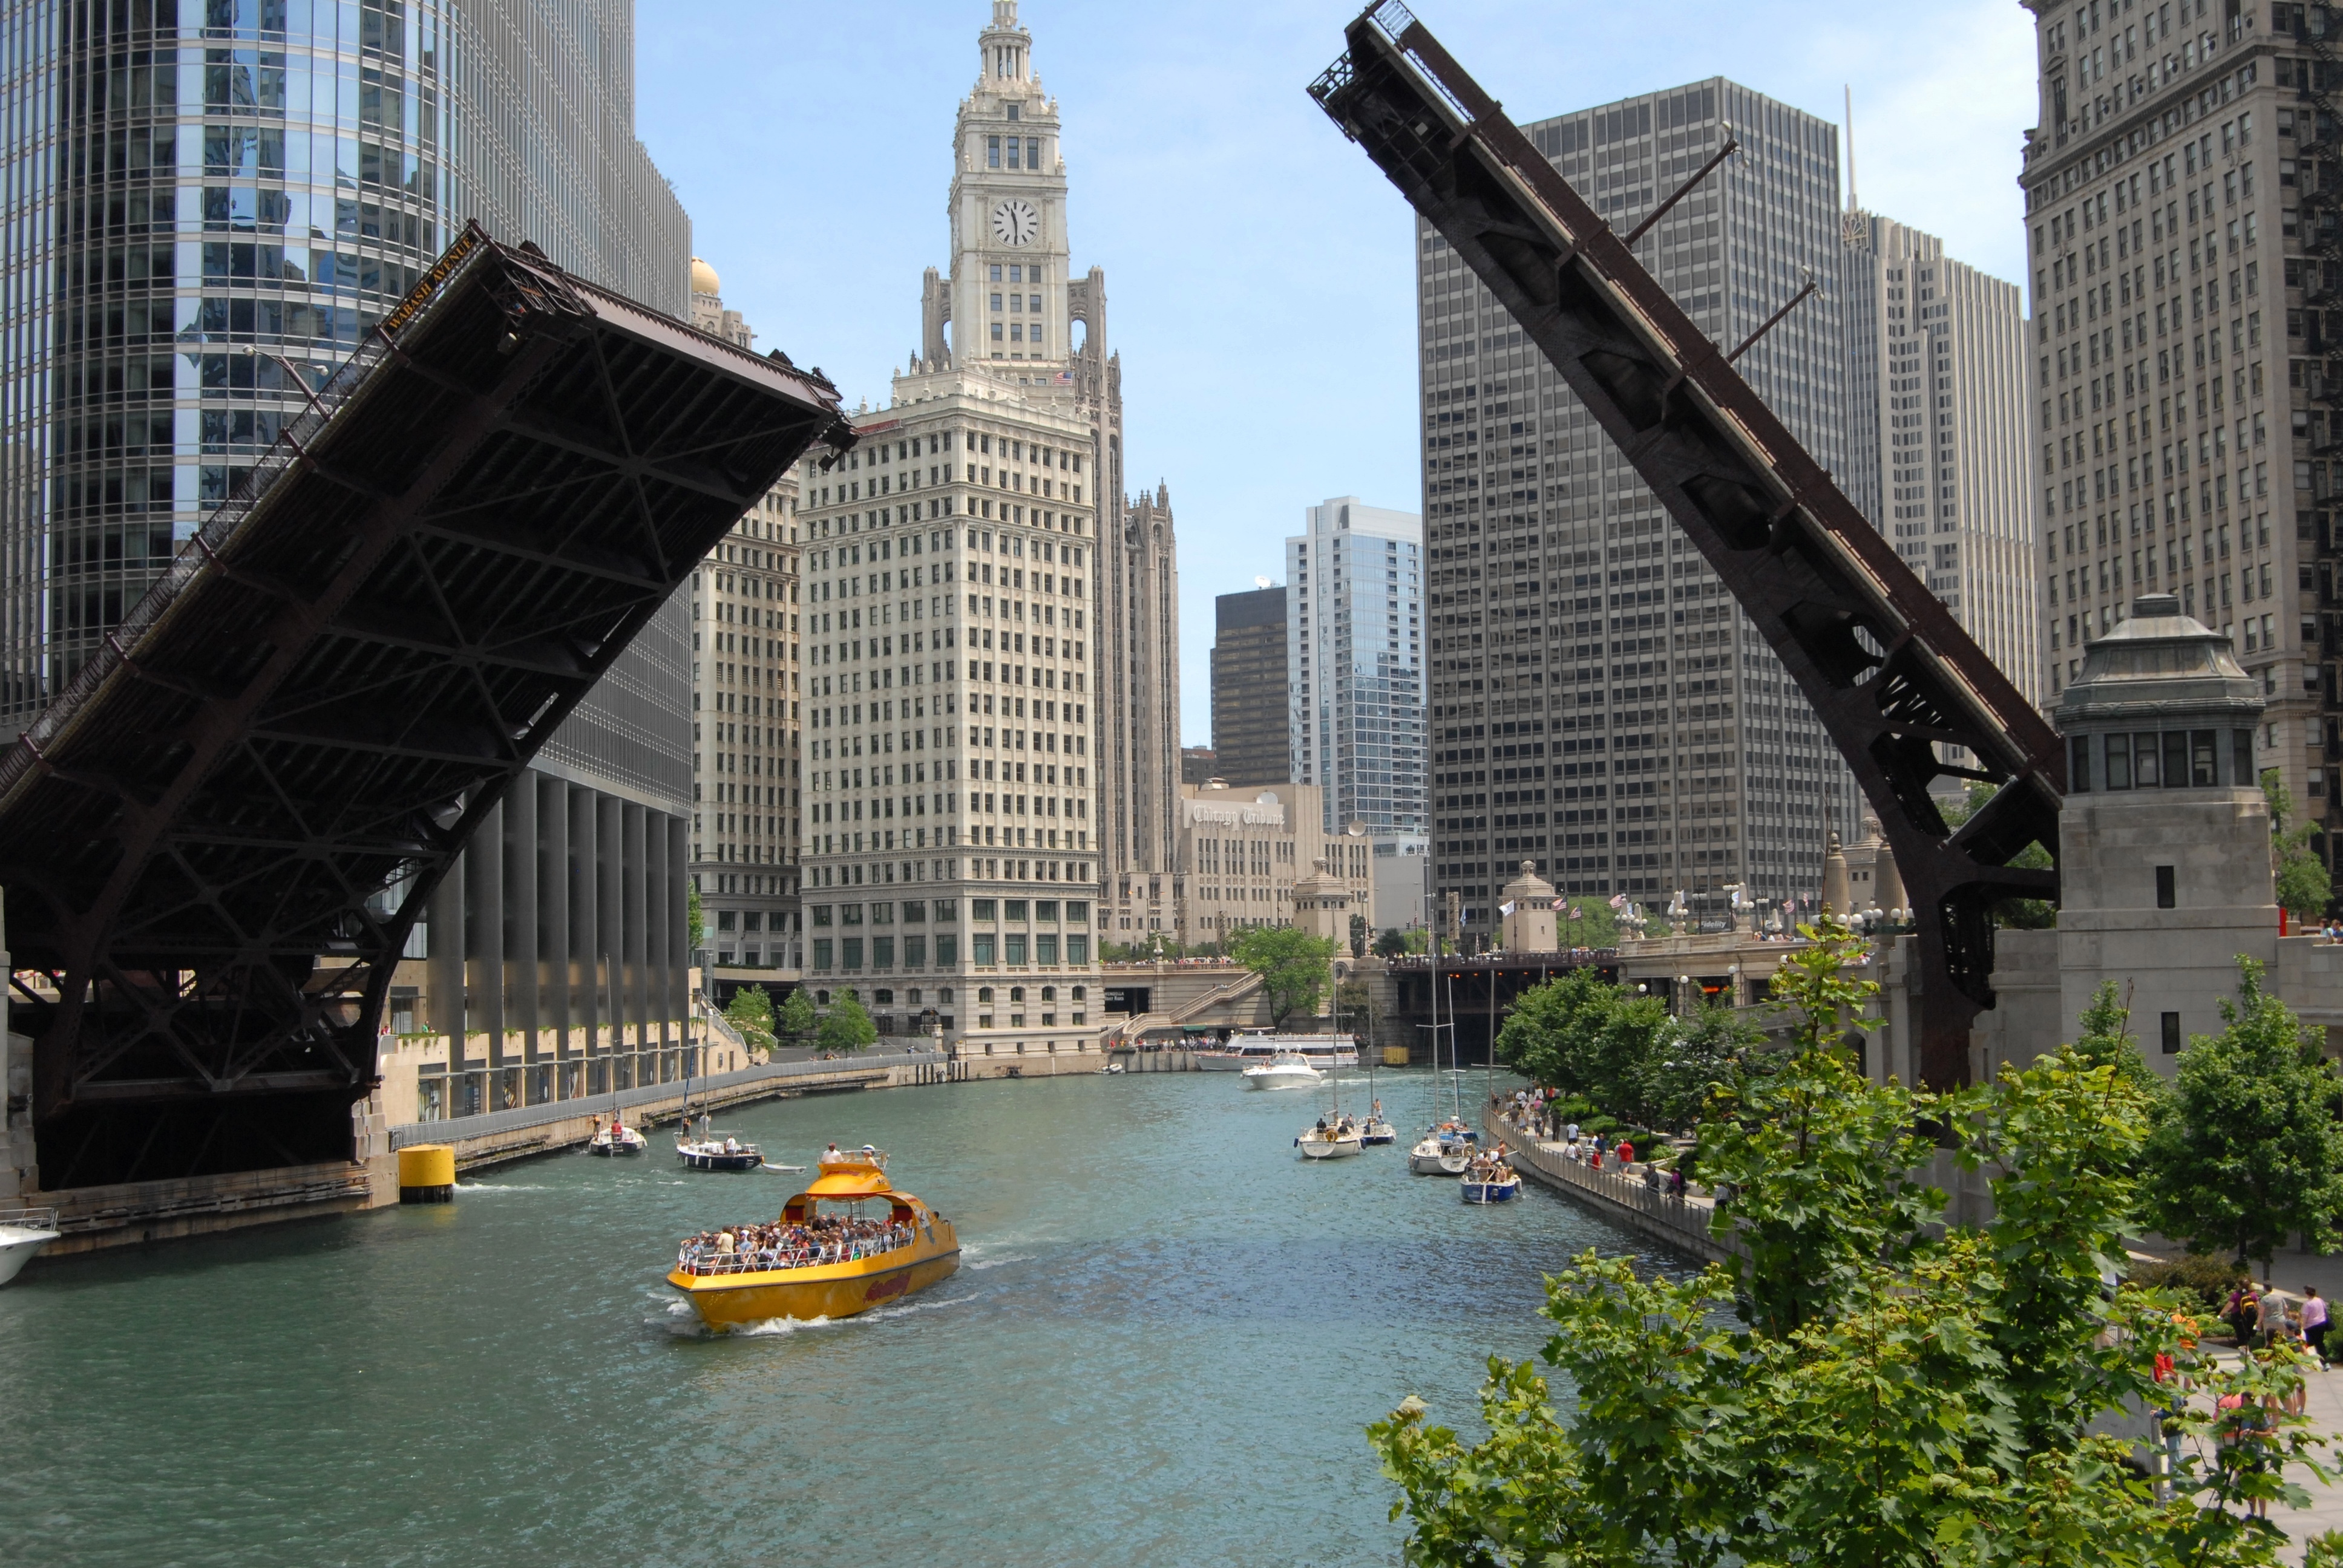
215	842
1894	680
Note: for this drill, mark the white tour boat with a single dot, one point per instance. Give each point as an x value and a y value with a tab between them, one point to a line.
1323	1051
1286	1072
22	1232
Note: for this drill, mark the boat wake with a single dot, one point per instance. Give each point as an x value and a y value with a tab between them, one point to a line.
497	1187
974	1264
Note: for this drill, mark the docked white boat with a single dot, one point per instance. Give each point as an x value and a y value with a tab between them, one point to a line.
618	1139
1323	1051
1335	1142
1287	1072
22	1232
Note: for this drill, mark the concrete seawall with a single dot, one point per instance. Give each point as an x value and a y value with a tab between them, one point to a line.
1680	1223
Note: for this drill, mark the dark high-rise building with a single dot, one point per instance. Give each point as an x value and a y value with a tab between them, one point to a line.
1198	765
1250	734
1598	702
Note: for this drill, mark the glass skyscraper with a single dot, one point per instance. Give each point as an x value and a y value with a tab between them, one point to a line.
208	203
1354	650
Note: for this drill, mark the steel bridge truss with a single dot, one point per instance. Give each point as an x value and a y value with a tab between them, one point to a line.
1897	682
217	841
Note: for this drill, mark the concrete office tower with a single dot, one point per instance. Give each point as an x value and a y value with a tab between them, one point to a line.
1598	704
953	575
1937	397
2185	406
1355	664
239	191
1139	707
1251	743
746	706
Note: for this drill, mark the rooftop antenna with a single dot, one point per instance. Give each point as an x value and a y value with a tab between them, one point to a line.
1854	203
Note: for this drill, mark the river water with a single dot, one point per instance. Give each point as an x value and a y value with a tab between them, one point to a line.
1165	1338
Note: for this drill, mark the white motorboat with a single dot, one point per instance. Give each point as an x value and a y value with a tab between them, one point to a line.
617	1138
1321	1050
22	1232
1287	1069
1374	1130
1325	1142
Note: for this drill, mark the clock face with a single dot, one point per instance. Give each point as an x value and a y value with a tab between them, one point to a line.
1015	222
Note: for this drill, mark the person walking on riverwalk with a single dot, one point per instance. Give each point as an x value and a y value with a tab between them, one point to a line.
2314	1323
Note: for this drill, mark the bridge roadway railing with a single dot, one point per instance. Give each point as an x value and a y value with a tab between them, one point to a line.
664	1099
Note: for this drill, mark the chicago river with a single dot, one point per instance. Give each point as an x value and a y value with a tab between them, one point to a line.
1165	1342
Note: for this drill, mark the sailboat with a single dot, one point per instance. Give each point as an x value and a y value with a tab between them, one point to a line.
1448	1145
1335	1136
1375	1129
709	1149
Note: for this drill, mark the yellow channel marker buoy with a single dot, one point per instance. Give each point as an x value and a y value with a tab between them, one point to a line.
426	1174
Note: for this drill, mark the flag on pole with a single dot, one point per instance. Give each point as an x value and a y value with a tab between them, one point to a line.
1557	906
1506	908
1618	901
1576	913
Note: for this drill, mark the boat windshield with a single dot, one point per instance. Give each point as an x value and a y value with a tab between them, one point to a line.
821	1240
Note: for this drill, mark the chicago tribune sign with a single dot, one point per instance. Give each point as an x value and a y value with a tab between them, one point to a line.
1268	811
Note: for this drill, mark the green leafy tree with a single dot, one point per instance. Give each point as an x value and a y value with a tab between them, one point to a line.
797	1019
1586	923
846	1027
1395	943
695	922
2302	884
1292	966
1691	1058
1892	1392
750	1011
2248	1151
2106	1041
1551	1035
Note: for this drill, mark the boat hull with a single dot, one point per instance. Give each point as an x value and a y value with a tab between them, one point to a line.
743	1160
832	1291
17	1247
1503	1191
1379	1132
1327	1148
1283	1078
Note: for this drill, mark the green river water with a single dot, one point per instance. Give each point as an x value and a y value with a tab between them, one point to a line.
1166	1336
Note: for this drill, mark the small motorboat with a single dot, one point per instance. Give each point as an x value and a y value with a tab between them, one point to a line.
1334	1139
1286	1070
711	1151
1487	1179
1375	1131
22	1232
1503	1186
617	1138
1445	1151
1111	1070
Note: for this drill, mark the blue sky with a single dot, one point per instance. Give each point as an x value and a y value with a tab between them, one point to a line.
1259	271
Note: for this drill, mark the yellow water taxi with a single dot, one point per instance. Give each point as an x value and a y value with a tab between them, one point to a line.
828	1256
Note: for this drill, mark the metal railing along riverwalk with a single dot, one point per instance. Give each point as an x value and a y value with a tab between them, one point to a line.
1679	1221
874	1065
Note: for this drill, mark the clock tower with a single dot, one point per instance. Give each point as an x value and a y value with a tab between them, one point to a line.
1008	294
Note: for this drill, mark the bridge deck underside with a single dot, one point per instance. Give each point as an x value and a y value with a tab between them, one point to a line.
215	843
